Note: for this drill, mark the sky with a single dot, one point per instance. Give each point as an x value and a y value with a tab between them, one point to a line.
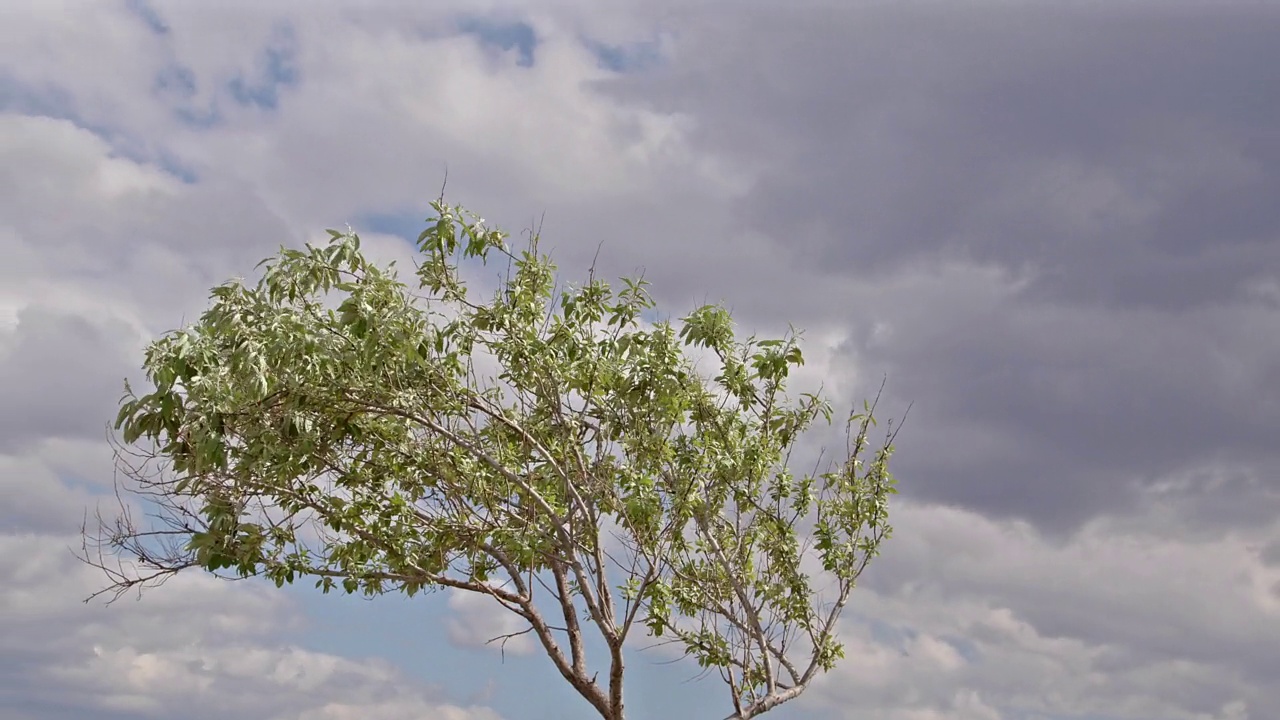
1053	227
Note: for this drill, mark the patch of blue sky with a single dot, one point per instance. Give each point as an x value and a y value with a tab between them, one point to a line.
405	225
175	166
504	35
277	69
95	489
967	648
148	15
47	100
408	226
175	79
177	84
199	118
630	58
412	634
887	634
656	315
408	632
52	101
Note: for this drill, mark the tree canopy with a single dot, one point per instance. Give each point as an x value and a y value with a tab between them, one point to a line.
332	424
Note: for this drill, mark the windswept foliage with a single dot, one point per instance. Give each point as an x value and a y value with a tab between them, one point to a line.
331	424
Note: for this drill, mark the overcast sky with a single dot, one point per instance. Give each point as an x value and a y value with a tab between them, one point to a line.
1054	227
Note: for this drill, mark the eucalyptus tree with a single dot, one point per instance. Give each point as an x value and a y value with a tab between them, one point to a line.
332	424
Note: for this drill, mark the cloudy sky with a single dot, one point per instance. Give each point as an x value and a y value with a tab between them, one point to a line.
1055	228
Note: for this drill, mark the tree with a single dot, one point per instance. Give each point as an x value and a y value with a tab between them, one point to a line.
331	424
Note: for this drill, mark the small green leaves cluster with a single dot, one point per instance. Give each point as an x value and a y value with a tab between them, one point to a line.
328	422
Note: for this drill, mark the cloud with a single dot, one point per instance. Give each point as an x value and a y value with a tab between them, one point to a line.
1052	228
200	647
34	497
402	119
42	371
477	620
1056	413
1118	622
117	239
1057	219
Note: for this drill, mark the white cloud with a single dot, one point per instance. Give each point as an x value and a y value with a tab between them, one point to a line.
1093	625
478	619
112	239
34	498
380	112
197	647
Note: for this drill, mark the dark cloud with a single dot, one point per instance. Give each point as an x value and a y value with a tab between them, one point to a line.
1061	414
1122	161
1270	555
1085	142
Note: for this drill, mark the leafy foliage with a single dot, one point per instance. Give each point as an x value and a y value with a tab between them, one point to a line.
330	424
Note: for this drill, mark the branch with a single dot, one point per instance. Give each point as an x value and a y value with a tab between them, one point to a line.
600	607
755	632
